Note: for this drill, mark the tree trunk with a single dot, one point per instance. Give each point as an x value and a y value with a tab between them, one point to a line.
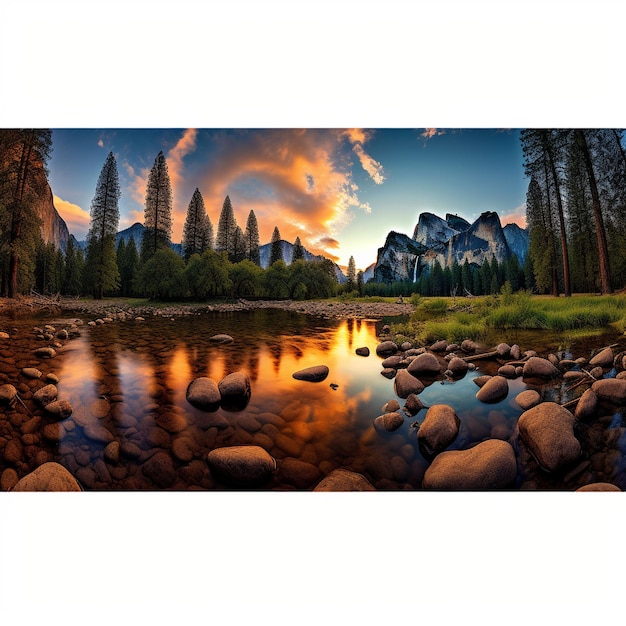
603	253
567	289
555	278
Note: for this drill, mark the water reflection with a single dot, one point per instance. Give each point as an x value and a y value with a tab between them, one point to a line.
130	379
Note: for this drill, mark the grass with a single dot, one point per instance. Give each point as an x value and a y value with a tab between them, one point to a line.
437	318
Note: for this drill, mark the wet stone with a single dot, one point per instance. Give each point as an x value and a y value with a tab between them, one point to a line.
8	393
45	395
439	428
364	351
413	404
439	346
32	425
100	408
87	477
204	394
244	465
604	358
112	452
130	450
83	458
528	399
314	374
405	384
299	473
494	390
54	432
386	348
548	431
288	445
31	372
457	366
159	468
8	479
389	422
183	449
13	451
391	406
599	487
48	477
221	338
171	422
587	405
235	389
611	389
536	367
59	409
488	465
98	433
508	371
45	352
424	364
388	372
392	361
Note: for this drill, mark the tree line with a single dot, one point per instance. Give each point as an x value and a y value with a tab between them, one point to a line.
576	209
227	264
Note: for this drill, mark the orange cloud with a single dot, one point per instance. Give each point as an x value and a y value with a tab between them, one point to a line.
429	133
293	179
370	165
517	216
76	218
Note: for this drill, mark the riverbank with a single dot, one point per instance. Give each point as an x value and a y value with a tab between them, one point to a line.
131	308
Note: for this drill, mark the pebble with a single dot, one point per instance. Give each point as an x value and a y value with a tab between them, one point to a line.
48	477
314	374
528	399
159	468
344	480
494	390
439	428
204	394
244	465
406	384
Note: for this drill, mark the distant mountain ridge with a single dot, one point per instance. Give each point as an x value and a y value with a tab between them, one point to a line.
446	241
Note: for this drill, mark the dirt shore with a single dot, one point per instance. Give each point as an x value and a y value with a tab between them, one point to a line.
116	307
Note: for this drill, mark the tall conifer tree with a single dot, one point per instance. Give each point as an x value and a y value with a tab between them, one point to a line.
101	269
276	252
226	229
197	231
158	210
252	239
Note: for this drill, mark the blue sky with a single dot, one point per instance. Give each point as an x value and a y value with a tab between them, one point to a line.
340	191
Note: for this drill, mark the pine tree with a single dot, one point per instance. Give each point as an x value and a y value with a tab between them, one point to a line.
239	246
158	210
276	252
251	237
130	268
24	154
72	279
197	231
298	250
351	276
360	280
101	269
226	229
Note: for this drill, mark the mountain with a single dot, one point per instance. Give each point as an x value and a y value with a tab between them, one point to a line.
265	251
448	240
518	240
53	227
398	259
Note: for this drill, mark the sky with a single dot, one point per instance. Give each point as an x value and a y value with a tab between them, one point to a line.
340	190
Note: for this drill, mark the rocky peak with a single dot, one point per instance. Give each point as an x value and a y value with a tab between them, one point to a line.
457	222
432	231
518	241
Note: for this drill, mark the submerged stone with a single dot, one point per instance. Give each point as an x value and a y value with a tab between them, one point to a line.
344	480
494	390
439	428
204	394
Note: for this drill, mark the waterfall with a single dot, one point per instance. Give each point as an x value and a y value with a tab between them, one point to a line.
415	269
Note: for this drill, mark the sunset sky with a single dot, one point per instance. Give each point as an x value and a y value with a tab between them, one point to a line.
340	191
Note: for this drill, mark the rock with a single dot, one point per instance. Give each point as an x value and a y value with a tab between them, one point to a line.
439	346
112	452
100	408
183	449
389	421
468	346
599	487
299	473
596	372
8	393
204	394
515	353
611	389
503	349
62	334
171	422
548	431
52	378
392	361
439	428
243	465
59	409
31	372
344	480
9	479
413	404
488	465
536	367
45	353
13	451
46	395
31	426
604	358
54	432
481	380
494	390
586	406
405	384
386	348
508	371
365	351
130	450
159	468
424	364
405	345
457	366
528	399
388	372
98	433
314	374
48	477
221	338
391	406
